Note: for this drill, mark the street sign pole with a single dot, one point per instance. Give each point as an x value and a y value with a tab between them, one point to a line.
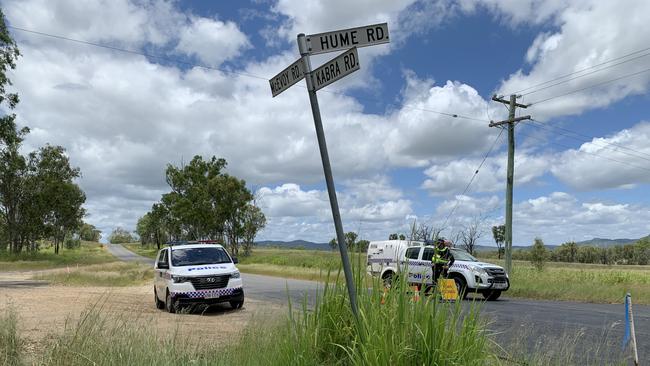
329	179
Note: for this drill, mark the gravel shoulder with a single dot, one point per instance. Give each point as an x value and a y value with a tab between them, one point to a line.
45	309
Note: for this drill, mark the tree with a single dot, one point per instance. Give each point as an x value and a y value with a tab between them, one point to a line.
204	203
120	236
402	237
538	254
89	232
392	237
254	221
499	235
470	235
351	242
362	245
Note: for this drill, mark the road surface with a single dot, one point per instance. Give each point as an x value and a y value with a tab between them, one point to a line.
535	322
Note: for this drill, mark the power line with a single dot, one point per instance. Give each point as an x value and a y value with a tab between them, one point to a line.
581	70
589	87
226	71
585	74
586	152
159	57
604	145
472	179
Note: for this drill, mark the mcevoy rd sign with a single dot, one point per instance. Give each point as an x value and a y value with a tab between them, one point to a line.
369	35
287	77
335	69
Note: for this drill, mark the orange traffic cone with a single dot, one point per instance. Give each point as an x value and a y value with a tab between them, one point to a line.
383	296
416	293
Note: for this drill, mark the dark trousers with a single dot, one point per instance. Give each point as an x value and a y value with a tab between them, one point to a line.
437	271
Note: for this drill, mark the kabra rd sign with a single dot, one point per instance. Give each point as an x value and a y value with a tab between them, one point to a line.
369	35
289	76
338	68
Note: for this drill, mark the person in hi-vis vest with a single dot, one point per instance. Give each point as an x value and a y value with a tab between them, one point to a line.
442	259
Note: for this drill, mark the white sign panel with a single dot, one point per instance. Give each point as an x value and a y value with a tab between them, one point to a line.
369	35
338	68
289	76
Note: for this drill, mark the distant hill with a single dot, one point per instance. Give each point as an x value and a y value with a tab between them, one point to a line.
299	244
606	243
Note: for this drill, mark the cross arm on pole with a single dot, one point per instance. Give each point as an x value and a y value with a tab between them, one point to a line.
494	124
501	100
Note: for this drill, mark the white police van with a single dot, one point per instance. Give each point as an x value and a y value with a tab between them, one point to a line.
196	273
388	259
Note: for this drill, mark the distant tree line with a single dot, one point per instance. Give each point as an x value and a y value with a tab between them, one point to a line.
204	203
38	197
637	253
352	243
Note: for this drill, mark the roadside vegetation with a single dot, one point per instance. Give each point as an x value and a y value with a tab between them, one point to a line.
579	282
394	328
45	258
115	274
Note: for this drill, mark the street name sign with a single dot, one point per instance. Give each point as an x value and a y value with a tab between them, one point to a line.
289	76
335	69
343	39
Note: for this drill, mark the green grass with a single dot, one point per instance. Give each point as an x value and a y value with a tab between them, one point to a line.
581	283
398	332
395	331
9	341
88	253
143	250
116	274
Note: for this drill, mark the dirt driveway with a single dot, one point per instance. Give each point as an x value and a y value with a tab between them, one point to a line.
44	309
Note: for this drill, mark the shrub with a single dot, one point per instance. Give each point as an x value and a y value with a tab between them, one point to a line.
538	254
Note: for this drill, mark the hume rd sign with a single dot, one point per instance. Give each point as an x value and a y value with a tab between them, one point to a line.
344	39
337	68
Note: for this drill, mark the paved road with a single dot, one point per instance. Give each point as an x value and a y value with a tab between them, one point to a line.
534	323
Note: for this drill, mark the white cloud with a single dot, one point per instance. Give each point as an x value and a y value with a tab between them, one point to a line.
588	33
619	161
212	41
372	207
560	217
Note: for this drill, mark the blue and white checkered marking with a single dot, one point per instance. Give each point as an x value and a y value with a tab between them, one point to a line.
210	293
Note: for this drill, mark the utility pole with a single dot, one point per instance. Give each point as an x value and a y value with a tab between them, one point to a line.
511	121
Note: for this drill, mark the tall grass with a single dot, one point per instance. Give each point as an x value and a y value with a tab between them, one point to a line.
112	274
44	258
395	331
9	341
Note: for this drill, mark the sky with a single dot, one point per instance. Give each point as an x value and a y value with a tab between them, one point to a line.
196	83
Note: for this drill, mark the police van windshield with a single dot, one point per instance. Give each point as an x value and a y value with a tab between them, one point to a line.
461	255
197	256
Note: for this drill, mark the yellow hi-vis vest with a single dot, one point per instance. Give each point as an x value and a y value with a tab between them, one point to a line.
437	256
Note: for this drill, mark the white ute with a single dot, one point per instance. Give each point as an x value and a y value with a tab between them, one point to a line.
196	274
388	259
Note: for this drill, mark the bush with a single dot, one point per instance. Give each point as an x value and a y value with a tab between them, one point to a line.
538	254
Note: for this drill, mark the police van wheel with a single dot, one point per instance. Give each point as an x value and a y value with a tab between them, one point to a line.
169	303
237	304
159	304
492	295
388	279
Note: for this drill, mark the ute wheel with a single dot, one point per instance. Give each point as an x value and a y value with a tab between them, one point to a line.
237	304
388	279
461	287
492	295
169	303
159	304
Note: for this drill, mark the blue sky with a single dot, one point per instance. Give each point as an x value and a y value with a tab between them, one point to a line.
122	117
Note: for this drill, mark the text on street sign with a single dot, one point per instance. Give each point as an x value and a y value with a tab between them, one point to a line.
335	69
347	38
287	77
